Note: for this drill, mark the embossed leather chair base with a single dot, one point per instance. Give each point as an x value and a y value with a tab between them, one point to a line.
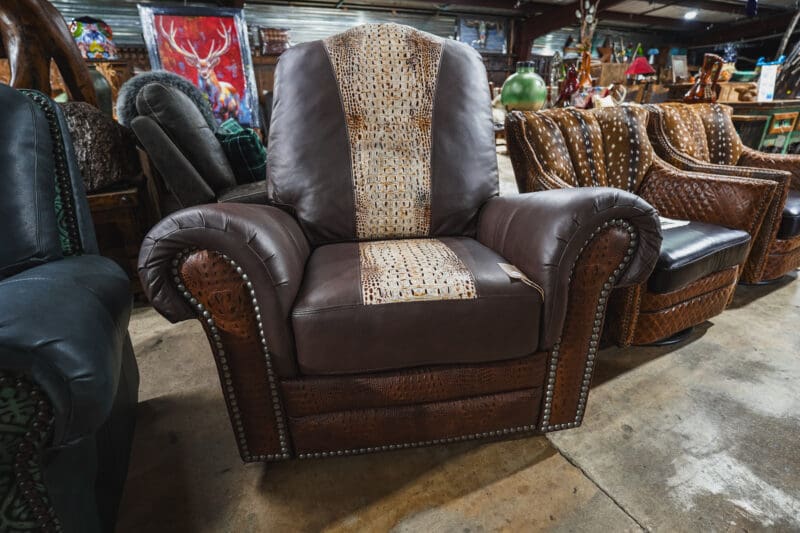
343	415
675	339
639	317
783	257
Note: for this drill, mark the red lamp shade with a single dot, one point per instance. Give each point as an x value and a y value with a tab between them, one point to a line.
639	66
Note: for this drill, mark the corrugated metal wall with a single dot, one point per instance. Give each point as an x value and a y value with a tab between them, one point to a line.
308	24
304	23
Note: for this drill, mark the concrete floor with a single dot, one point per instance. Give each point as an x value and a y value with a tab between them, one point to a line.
701	436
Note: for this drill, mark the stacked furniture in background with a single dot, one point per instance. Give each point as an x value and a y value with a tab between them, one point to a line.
702	138
181	145
369	311
68	376
702	253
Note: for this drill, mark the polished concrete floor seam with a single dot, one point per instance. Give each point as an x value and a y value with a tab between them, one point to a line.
571	460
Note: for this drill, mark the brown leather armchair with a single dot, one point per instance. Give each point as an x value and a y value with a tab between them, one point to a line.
702	137
365	310
702	251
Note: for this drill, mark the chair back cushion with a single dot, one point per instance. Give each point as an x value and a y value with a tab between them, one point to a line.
702	131
184	124
584	143
626	147
684	129
724	145
382	132
605	147
30	235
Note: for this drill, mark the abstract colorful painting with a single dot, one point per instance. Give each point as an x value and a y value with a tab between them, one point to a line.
208	47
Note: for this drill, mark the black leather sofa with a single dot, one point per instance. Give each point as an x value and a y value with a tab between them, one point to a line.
68	376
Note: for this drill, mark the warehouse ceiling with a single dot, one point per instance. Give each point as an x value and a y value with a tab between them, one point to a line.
716	21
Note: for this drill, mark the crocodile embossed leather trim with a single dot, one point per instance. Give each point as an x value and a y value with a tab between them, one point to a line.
205	316
412	270
387	80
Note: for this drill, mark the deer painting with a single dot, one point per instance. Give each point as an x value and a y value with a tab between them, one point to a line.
224	98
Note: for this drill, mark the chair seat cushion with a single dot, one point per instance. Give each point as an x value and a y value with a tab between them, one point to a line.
692	250
387	305
790	221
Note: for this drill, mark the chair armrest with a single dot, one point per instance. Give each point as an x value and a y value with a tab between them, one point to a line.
544	233
786	162
267	245
68	337
730	201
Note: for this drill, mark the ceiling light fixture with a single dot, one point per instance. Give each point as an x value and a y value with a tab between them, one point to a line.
690	15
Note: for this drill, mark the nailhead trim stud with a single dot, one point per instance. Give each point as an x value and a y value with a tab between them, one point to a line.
594	340
205	316
390	447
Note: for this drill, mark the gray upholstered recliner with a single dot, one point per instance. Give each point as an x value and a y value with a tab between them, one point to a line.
68	376
181	145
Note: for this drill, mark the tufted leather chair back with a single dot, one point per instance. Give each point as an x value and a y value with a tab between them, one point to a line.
702	131
45	212
606	147
382	132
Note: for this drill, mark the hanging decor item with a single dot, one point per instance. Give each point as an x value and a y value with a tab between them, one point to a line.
705	85
524	90
587	15
93	37
751	8
208	47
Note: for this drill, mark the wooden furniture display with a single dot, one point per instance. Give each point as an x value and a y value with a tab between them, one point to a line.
264	68
778	121
750	128
33	32
120	228
115	72
732	91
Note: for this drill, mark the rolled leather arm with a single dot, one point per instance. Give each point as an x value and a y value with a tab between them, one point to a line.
543	234
782	162
730	201
64	324
265	242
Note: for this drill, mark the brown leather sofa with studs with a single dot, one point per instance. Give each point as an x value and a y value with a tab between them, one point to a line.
712	219
365	309
702	138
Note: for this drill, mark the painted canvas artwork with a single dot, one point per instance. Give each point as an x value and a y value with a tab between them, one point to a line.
209	48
